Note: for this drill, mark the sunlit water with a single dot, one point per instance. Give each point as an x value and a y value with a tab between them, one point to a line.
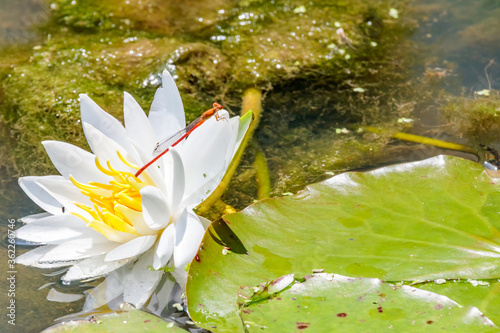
457	33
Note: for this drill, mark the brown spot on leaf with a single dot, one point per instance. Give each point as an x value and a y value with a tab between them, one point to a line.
303	326
429	322
342	315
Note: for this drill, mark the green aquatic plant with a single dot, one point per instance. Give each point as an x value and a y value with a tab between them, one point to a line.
215	51
476	119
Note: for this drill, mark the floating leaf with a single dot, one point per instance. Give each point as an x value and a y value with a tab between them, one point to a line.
334	303
432	219
130	321
483	294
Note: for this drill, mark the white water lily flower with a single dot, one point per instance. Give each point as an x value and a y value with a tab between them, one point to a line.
100	217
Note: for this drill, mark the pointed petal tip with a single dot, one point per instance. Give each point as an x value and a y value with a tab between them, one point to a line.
47	142
84	97
165	75
127	95
22	181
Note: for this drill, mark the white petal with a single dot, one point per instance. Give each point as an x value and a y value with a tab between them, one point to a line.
136	219
65	192
71	160
40	190
164	247
155	171
39	195
206	155
235	139
132	248
56	229
167	113
188	235
106	149
92	268
141	282
112	234
180	274
203	192
34	217
57	296
137	125
31	258
243	125
204	222
107	291
175	179
102	121
160	299
154	208
78	249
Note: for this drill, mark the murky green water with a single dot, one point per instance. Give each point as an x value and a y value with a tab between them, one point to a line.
316	83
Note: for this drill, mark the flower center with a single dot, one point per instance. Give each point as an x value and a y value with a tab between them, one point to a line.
116	205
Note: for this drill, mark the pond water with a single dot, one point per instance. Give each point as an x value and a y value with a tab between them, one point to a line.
443	51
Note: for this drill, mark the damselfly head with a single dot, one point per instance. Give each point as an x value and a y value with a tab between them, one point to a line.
492	168
491	161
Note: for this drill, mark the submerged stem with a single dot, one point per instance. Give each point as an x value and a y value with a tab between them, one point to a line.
425	140
262	175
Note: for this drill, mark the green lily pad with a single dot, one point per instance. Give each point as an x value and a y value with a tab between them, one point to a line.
334	303
129	320
484	294
436	218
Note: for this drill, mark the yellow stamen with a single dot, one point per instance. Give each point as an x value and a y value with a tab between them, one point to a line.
105	186
135	218
104	203
110	233
82	217
82	186
98	214
101	168
123	190
118	224
118	184
120	174
87	209
134	184
119	214
129	202
127	163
